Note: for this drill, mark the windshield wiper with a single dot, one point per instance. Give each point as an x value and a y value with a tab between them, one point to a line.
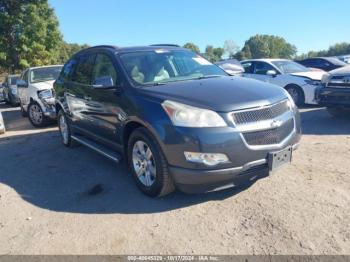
155	84
208	76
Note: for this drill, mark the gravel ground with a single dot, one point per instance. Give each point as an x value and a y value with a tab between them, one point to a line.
55	200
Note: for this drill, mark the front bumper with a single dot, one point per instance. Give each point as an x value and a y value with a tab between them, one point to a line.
199	181
332	97
48	107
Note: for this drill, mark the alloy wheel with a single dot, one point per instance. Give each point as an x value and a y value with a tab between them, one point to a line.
144	163
63	129
36	114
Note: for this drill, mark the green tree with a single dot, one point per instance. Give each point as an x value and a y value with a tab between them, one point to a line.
192	47
29	34
267	46
67	50
213	54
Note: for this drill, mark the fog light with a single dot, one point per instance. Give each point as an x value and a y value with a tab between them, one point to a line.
209	159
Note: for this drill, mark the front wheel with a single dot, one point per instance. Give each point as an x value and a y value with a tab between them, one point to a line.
36	115
148	165
297	94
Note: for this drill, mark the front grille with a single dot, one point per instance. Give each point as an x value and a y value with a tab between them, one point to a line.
271	136
260	114
339	82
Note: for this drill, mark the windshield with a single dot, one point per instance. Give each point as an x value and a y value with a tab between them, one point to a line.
44	74
336	61
163	66
287	67
13	80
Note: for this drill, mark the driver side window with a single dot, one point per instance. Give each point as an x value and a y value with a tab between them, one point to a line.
104	68
261	68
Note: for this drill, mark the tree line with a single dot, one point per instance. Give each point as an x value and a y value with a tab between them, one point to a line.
30	36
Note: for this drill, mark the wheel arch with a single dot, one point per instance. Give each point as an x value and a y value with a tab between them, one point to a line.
298	87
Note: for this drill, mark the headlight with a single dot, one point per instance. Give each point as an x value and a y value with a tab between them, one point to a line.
291	102
13	91
189	116
312	82
326	78
45	94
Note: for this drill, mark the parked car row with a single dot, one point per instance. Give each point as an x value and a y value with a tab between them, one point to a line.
178	120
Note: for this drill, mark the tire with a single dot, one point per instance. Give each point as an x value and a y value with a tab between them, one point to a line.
297	94
23	112
338	112
36	115
159	182
12	103
66	138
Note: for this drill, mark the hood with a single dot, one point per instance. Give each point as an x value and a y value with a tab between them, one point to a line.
221	94
314	75
43	85
341	71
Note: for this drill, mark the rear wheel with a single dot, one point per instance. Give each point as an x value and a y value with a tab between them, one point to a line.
297	94
36	115
148	165
338	112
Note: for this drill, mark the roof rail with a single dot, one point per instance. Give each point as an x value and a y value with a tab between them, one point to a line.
166	45
103	46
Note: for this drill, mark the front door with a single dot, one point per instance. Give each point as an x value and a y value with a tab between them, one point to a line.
106	101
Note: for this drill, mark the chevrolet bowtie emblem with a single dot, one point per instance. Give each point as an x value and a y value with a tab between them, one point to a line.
276	123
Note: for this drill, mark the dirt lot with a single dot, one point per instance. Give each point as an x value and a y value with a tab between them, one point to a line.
55	200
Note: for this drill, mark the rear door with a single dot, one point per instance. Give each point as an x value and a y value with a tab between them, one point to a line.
78	91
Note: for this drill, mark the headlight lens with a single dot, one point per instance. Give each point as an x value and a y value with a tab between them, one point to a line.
13	90
189	116
45	94
291	102
312	82
325	78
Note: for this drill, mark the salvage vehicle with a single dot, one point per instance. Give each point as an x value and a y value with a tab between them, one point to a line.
323	63
35	89
9	91
335	92
299	81
2	124
231	66
177	119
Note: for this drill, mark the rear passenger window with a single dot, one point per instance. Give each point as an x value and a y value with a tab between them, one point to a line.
68	69
83	71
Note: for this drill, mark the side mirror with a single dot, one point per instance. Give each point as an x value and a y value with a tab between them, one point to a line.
272	73
21	83
103	82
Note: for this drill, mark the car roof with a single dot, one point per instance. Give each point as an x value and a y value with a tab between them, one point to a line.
133	48
269	60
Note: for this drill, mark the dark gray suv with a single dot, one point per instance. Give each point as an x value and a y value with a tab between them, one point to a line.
178	120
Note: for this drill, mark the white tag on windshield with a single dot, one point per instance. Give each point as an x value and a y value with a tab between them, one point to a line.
201	60
159	51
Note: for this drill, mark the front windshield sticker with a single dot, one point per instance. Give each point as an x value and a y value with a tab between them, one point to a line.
160	51
201	61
